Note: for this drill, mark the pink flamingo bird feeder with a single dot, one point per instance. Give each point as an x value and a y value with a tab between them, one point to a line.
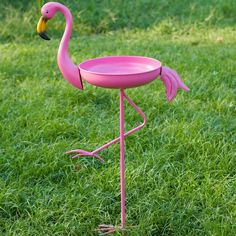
116	72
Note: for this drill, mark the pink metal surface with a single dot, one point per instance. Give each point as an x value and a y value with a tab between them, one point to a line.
120	71
108	229
122	158
117	72
69	70
80	152
172	82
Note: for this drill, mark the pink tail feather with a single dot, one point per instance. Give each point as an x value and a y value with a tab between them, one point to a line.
172	82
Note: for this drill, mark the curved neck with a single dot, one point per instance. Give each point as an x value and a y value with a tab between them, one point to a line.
68	69
69	22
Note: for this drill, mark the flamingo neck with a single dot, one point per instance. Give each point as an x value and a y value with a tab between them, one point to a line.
69	70
63	48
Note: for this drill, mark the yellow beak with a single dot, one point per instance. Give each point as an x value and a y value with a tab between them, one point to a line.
41	28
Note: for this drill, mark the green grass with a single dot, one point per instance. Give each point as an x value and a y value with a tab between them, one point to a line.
180	168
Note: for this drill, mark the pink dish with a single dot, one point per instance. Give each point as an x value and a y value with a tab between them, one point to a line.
120	71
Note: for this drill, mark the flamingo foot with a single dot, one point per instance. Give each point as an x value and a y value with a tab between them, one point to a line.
108	229
81	152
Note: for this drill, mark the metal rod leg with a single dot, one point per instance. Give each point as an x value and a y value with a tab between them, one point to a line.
80	152
122	158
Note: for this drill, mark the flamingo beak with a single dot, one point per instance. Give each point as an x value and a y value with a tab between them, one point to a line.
41	28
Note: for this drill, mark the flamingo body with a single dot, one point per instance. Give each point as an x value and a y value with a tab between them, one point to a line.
110	72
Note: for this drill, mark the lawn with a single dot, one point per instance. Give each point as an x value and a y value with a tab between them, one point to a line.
180	168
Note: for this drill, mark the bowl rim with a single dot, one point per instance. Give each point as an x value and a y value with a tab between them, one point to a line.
117	74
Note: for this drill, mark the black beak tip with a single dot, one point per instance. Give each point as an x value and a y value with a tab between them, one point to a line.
44	35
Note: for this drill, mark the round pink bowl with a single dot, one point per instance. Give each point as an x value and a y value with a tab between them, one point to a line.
120	71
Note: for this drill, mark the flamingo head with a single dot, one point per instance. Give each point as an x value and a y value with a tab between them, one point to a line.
48	11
